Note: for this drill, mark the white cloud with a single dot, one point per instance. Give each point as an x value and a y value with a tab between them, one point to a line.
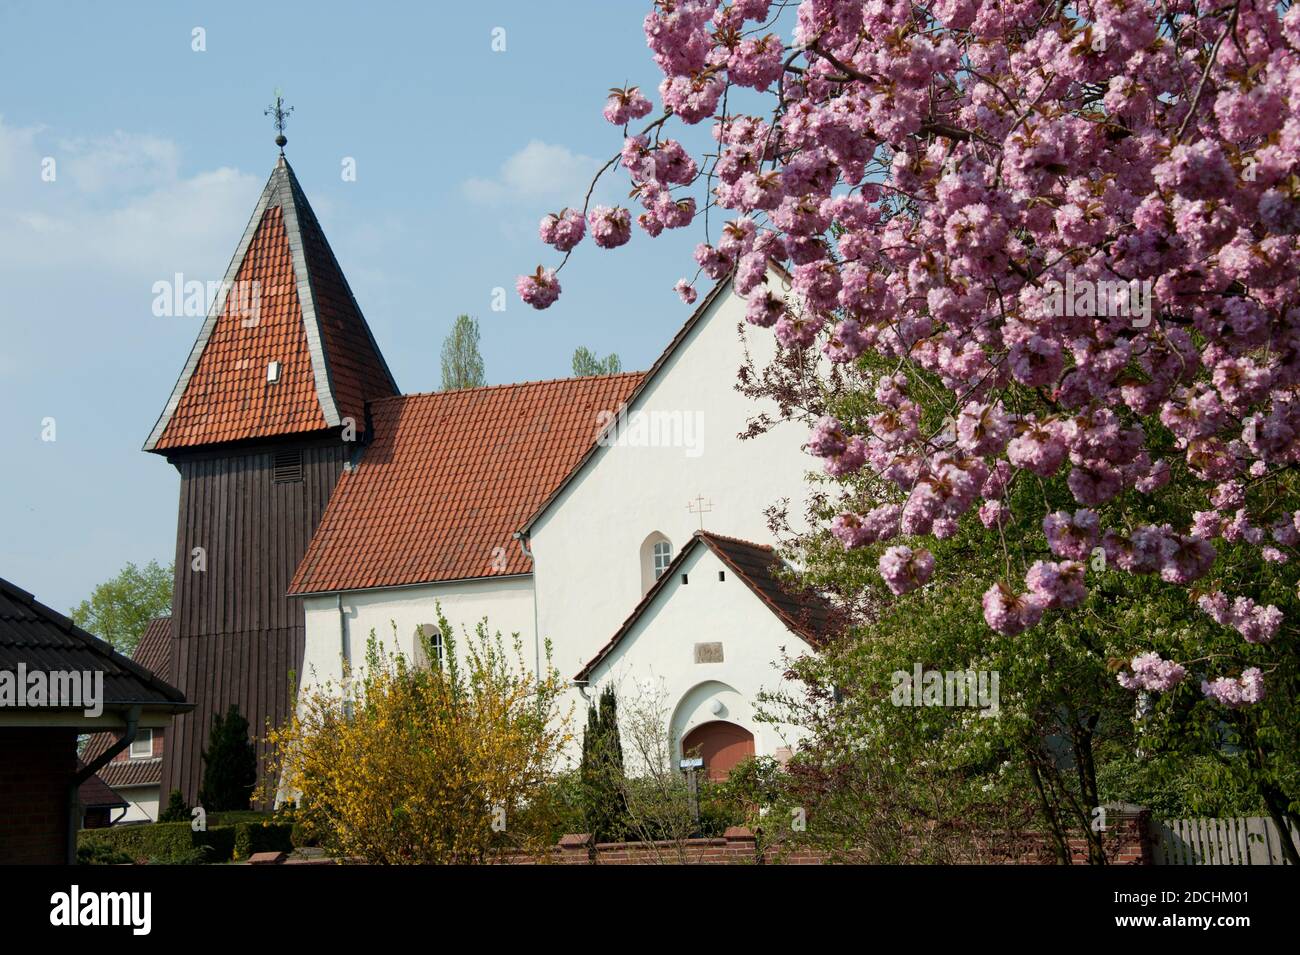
122	162
540	172
117	203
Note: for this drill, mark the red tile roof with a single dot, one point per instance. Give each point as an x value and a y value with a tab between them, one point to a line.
126	772
448	479
806	614
306	319
153	652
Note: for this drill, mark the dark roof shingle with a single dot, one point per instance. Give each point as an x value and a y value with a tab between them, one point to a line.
43	639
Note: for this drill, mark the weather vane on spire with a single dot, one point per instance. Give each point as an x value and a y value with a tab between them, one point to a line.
281	114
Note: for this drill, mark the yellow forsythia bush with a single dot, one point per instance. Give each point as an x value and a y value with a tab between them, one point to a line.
448	763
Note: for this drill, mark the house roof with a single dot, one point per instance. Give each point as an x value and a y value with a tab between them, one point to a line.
305	318
43	639
94	793
126	773
447	479
153	652
806	614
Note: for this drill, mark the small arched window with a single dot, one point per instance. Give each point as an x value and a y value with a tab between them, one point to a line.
663	556
428	646
656	555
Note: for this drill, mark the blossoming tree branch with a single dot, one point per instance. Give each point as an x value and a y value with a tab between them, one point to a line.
1051	246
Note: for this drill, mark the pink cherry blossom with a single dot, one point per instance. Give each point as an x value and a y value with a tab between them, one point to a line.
1011	614
610	227
1084	255
1150	672
1235	693
625	105
540	289
563	230
905	569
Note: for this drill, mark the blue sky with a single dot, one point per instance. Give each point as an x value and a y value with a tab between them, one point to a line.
161	153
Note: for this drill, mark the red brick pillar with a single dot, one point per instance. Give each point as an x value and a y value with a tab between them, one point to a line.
576	848
742	846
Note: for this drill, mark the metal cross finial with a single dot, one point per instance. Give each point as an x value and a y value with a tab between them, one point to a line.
699	506
281	114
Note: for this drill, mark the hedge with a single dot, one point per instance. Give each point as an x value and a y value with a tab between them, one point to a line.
164	842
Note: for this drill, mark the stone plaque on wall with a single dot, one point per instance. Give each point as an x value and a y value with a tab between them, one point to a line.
708	653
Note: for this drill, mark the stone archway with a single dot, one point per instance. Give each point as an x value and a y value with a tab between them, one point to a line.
721	745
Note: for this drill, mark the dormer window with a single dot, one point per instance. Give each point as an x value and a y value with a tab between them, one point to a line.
142	745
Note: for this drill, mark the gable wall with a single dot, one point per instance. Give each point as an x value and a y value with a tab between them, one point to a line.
660	648
587	545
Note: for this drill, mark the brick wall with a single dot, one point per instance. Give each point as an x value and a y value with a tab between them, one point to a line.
36	768
1126	841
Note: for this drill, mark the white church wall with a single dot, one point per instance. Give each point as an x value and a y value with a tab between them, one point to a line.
588	546
395	613
657	657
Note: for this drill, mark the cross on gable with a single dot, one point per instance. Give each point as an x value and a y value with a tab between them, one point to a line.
699	506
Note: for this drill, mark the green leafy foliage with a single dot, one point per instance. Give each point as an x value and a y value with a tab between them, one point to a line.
585	362
120	609
462	364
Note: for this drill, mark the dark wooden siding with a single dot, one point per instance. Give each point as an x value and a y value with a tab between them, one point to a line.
236	637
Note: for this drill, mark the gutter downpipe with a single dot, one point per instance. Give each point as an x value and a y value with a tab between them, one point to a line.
537	636
74	796
343	636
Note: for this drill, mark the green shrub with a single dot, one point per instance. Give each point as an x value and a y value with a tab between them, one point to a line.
178	810
174	843
96	853
264	836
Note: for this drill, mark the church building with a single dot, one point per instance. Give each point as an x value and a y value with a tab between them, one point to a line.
621	517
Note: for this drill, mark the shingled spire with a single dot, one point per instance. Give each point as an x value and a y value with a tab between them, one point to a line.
284	349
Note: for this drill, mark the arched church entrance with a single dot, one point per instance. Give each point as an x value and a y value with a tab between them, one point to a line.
721	745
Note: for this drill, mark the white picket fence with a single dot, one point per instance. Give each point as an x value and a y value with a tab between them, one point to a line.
1244	840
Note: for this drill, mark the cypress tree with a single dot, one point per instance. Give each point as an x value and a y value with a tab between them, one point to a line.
177	809
601	773
229	764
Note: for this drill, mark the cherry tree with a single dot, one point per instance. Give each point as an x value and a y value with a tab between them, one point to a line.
1071	228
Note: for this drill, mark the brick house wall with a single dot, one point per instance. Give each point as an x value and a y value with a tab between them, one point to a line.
126	757
36	768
